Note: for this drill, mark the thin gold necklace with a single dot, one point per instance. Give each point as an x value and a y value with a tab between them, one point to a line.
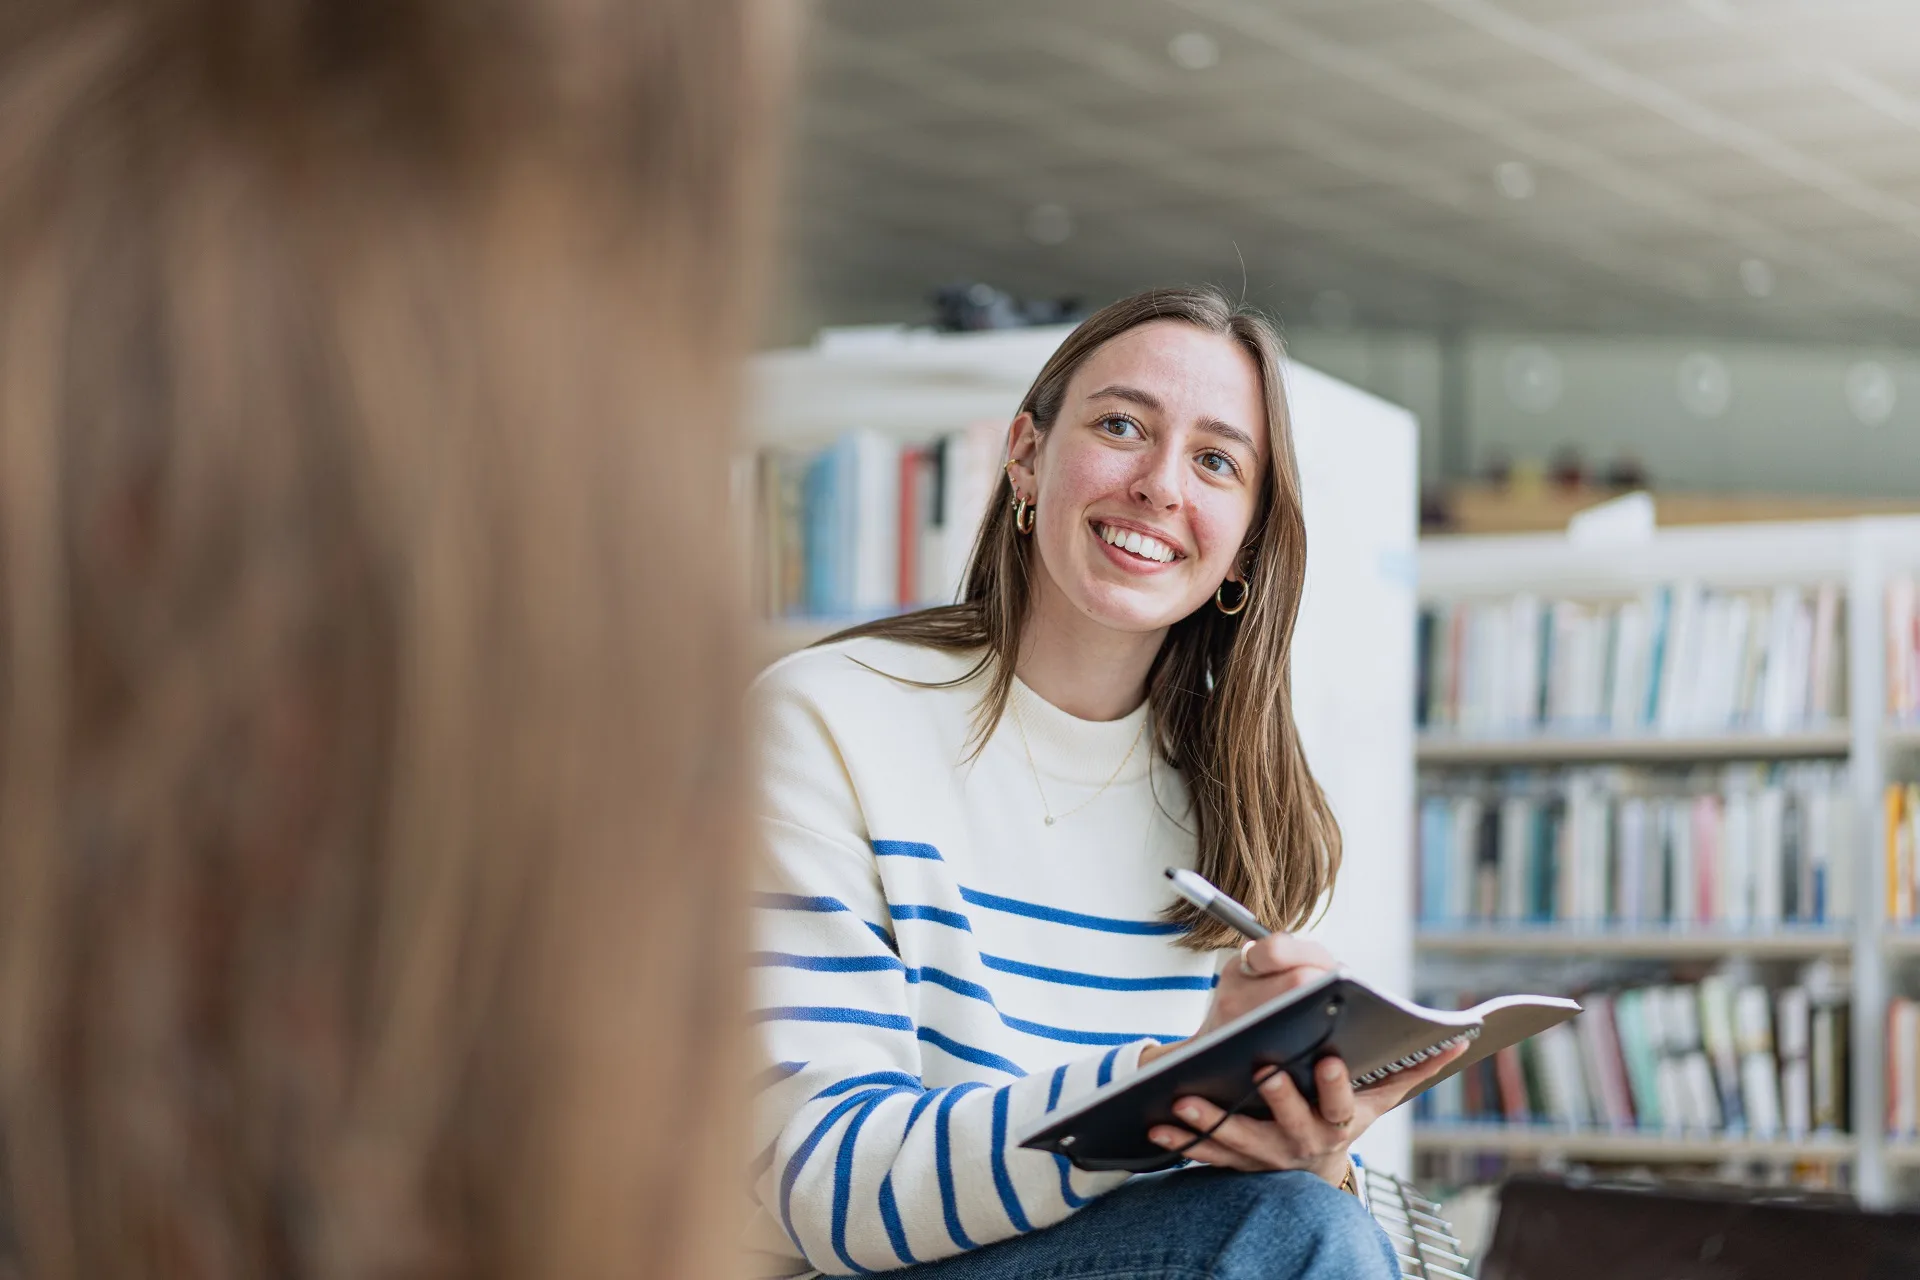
1047	809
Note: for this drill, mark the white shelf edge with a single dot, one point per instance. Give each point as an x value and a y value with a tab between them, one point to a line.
1621	943
1445	749
1600	1145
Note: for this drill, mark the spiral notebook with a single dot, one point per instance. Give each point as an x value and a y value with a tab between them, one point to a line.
1377	1035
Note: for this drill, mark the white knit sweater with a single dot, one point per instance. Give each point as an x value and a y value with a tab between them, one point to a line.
935	964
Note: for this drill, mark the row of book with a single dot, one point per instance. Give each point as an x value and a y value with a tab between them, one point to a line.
1903	1067
870	525
1676	659
1737	846
1713	1057
1903	852
1903	649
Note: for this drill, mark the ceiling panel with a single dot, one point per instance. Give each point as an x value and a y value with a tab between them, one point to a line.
1645	148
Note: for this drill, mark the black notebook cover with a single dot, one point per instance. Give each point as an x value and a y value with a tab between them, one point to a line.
1375	1034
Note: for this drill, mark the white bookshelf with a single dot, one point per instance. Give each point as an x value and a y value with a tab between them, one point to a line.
1857	555
1455	749
1353	642
1798	943
1651	1148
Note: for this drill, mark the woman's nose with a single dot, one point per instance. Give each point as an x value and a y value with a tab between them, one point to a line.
1158	481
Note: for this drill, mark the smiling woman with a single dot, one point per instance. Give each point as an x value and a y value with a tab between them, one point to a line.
969	809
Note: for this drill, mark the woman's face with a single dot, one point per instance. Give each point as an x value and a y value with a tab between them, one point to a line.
1149	480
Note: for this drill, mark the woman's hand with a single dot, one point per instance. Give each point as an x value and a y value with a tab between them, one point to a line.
1298	1136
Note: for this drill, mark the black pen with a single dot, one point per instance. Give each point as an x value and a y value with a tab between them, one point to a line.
1196	889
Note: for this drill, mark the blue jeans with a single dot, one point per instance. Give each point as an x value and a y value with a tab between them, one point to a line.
1194	1224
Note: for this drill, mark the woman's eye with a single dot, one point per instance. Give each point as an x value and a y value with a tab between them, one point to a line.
1119	428
1218	463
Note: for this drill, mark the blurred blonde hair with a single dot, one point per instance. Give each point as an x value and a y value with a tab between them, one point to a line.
369	670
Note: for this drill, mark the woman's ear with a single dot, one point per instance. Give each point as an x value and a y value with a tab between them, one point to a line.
1023	451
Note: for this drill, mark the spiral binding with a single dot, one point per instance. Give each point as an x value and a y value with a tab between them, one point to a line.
1414	1059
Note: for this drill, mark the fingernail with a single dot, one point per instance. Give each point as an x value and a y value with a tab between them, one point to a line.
1162	1137
1329	1071
1187	1111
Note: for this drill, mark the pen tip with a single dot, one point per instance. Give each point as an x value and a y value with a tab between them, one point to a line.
1168	873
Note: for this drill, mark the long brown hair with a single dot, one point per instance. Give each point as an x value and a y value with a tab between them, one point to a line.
369	676
1221	687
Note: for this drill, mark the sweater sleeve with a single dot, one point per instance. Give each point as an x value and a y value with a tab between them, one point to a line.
861	1164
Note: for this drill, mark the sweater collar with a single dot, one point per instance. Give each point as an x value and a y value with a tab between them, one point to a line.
1070	749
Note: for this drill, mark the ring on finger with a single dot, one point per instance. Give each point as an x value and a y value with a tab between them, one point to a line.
1246	970
1341	1124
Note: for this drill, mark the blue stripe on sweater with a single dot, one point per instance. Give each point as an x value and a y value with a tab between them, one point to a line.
1066	1035
967	1053
900	1078
938	915
1106	1067
1099	981
791	1174
1037	911
774	1074
889	1209
943	1165
1073	1199
825	964
843	1177
832	1013
797	902
905	849
1009	1198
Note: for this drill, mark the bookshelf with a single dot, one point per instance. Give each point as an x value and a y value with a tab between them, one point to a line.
1544	749
1859	558
1637	944
1663	1148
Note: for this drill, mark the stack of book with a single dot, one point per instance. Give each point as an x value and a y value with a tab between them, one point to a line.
1713	1057
1903	650
1677	659
869	525
1735	847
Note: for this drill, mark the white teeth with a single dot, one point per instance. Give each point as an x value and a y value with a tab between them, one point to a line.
1140	544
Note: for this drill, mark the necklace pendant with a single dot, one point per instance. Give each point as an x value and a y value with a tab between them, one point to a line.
1049	819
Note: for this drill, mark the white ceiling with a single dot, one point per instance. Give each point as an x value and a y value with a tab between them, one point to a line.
1347	152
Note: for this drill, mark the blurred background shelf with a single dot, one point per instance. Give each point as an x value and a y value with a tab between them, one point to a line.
1901	1153
1651	1147
1897	941
1659	944
1449	749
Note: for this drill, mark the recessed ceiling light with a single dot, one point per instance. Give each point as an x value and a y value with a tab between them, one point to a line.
1049	224
1533	378
1756	277
1514	179
1870	392
1194	50
1705	386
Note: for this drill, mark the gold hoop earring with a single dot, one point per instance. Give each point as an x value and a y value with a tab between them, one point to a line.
1024	514
1219	601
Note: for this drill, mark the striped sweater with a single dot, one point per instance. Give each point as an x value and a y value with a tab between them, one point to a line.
935	964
